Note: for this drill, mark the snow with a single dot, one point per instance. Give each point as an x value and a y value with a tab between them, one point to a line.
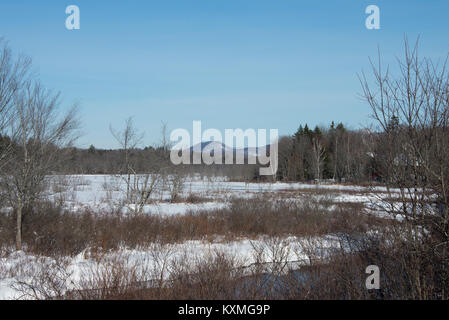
101	193
20	266
167	209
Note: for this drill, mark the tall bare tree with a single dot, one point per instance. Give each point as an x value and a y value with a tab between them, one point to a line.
38	133
139	186
318	153
14	72
128	139
411	109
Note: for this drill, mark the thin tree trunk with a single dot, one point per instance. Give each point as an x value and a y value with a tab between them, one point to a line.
19	227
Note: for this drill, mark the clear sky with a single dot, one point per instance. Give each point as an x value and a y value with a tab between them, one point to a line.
231	64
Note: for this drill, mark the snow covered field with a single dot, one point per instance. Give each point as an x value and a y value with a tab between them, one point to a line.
70	272
103	193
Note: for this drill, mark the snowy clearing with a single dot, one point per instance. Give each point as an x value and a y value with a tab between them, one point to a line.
106	193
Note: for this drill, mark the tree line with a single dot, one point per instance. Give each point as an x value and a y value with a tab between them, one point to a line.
335	153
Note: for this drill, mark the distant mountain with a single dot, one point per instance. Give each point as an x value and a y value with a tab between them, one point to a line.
209	146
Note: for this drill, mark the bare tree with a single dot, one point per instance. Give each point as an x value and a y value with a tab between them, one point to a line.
412	113
165	143
143	186
38	132
139	185
128	139
13	75
175	184
318	152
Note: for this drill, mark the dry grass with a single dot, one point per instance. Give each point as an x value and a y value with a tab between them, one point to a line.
52	231
407	272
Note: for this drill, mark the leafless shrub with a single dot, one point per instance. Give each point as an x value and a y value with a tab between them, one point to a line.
176	186
161	255
193	198
213	277
114	277
140	191
273	252
47	282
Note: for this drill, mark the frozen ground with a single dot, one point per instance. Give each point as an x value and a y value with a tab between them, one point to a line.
68	272
103	193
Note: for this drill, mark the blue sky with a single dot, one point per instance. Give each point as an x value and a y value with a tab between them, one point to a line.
231	64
